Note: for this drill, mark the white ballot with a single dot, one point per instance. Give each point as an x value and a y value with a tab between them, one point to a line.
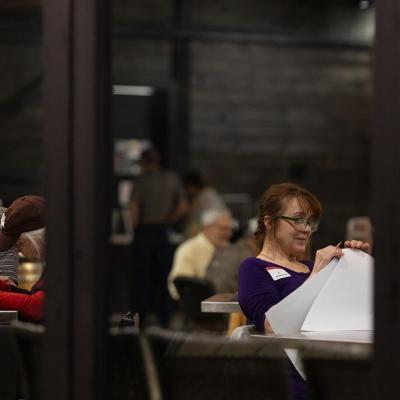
288	315
345	303
338	298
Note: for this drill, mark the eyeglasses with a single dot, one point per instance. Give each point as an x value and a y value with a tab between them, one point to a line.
301	223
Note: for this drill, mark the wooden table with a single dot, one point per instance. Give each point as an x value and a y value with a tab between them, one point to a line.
221	303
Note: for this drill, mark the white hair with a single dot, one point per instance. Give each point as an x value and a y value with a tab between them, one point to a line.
209	217
251	226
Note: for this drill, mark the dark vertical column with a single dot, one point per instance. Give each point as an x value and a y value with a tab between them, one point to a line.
58	182
76	186
90	187
386	195
180	132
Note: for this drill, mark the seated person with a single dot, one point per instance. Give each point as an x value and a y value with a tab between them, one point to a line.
193	256
224	266
360	228
8	260
202	197
288	216
9	266
30	245
25	213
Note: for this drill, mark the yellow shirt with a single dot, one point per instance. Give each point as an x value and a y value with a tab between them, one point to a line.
191	259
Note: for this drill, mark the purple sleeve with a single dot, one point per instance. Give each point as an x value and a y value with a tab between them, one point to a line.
256	292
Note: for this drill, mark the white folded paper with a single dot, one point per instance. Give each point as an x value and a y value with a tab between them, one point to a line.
338	298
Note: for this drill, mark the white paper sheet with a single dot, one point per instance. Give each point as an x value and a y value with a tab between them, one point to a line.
288	315
295	358
346	300
338	298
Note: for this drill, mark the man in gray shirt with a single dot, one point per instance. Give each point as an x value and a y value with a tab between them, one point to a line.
158	201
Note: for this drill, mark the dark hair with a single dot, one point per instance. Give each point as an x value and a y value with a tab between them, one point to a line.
195	178
150	156
274	199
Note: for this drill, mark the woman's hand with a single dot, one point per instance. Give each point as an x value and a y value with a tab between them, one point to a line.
267	327
357	244
324	256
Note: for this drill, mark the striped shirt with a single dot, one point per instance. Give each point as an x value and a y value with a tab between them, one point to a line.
9	265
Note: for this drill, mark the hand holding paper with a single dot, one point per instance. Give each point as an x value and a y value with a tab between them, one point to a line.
337	298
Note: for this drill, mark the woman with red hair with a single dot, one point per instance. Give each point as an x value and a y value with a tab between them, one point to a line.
288	216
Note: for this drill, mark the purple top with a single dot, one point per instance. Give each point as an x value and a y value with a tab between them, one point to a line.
263	284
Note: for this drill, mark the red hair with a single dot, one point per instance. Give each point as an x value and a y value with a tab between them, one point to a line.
274	199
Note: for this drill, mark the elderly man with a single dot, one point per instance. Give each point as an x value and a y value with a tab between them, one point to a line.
193	256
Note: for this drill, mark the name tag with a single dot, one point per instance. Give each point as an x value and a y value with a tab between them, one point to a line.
277	273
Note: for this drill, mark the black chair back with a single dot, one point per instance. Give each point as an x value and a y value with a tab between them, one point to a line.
132	373
338	372
192	291
205	367
29	344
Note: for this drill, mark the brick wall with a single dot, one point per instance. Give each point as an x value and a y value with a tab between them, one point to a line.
20	116
261	114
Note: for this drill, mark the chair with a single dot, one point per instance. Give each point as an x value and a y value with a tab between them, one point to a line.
205	367
243	332
192	291
28	345
336	372
132	373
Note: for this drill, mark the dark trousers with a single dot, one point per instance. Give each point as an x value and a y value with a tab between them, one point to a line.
152	261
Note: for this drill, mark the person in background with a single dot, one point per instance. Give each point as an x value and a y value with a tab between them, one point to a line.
9	266
13	224
202	197
360	228
223	269
24	215
158	202
193	256
8	259
288	216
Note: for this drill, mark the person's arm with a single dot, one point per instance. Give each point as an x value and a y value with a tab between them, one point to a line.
9	265
181	204
267	327
134	212
29	306
179	211
324	256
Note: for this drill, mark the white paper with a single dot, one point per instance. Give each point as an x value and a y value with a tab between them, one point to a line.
337	336
295	358
345	303
338	298
288	315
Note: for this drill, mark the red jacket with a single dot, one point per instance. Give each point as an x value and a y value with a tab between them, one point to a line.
29	304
